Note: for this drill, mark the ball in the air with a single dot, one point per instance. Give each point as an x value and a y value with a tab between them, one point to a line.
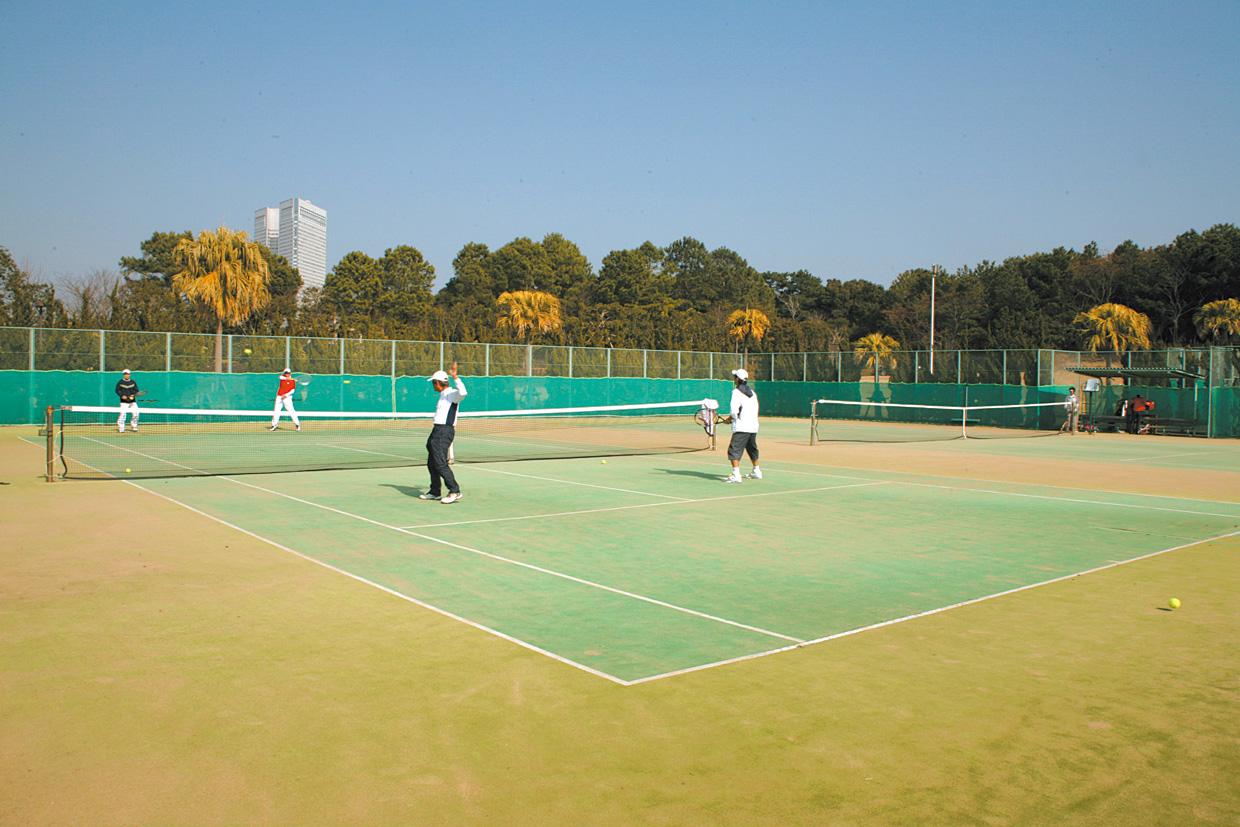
602	462
1174	602
248	351
348	381
128	471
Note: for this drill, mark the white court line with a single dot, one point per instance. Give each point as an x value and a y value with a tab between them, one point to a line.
393	592
481	467
522	564
1034	496
928	612
1165	456
500	558
648	505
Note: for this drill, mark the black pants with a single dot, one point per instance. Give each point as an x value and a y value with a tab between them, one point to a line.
743	443
437	445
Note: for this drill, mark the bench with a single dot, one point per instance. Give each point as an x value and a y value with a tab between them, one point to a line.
1151	422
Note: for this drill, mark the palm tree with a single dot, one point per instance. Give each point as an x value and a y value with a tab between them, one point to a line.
1219	320
528	313
1114	327
225	272
872	349
748	324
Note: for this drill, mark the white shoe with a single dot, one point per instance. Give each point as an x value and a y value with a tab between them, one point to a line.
428	496
296	427
731	479
273	427
755	474
451	498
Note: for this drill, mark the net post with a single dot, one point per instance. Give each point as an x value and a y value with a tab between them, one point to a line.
49	425
813	421
31	354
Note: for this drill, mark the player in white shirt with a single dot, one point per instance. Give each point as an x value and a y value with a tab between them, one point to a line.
443	432
743	414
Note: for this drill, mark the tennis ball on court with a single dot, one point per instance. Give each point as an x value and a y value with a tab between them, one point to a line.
248	351
603	461
1174	602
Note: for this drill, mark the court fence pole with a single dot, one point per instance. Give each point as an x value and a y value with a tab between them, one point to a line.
230	343
486	360
49	426
440	356
678	364
529	359
341	371
1004	367
805	367
839	366
168	353
608	363
393	375
102	351
644	352
711	363
31	354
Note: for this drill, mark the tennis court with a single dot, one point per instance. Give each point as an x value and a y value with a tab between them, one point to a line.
630	641
642	567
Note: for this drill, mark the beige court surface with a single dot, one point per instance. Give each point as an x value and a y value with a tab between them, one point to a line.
158	666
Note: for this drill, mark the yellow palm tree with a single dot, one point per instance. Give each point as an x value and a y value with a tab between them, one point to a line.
1219	320
750	324
872	349
528	313
1114	327
225	272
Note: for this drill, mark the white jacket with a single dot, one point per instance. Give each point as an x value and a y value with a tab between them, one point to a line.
744	410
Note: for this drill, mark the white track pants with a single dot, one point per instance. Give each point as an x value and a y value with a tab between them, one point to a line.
127	409
287	403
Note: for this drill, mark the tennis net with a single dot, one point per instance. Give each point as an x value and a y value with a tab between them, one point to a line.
835	420
85	441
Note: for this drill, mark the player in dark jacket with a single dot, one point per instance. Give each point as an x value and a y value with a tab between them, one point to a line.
127	392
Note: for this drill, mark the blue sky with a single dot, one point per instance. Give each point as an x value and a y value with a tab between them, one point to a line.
849	139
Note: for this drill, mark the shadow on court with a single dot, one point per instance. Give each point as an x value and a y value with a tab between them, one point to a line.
706	475
407	490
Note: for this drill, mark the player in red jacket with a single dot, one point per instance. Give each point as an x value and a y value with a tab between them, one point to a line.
284	398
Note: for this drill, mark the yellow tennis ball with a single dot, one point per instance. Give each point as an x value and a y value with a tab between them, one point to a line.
348	381
128	471
248	351
1174	602
603	461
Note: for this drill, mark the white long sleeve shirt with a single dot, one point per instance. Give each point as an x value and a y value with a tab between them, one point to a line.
449	399
744	411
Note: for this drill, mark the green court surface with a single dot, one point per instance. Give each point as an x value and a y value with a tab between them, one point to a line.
646	567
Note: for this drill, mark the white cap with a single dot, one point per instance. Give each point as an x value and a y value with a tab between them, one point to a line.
439	376
741	374
126	370
286	370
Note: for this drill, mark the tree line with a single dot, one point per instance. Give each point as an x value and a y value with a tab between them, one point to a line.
680	296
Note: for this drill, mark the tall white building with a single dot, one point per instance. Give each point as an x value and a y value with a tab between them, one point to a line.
296	230
267	227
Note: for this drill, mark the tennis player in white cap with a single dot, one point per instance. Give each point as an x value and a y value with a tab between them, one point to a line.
743	414
127	392
439	443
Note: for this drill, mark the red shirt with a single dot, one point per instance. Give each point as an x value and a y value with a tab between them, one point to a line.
287	385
